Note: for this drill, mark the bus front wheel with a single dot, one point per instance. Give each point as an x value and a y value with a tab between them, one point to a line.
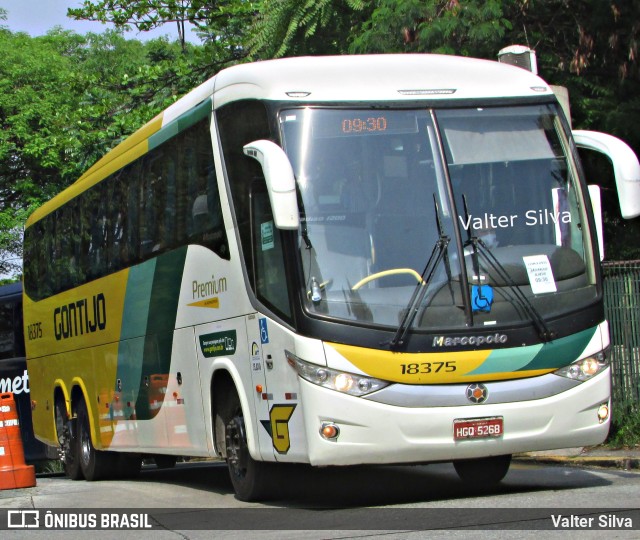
250	478
482	473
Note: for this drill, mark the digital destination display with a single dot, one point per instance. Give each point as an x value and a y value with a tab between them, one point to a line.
353	123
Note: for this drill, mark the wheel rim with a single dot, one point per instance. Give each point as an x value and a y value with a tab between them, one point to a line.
64	436
85	446
237	452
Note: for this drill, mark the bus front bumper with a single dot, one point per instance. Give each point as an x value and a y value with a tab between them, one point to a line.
375	433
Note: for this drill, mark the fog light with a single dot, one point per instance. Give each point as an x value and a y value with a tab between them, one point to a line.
603	413
329	431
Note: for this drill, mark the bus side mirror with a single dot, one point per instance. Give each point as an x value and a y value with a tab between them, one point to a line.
625	167
280	180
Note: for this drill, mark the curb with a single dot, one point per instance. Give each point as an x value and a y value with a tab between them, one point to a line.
621	462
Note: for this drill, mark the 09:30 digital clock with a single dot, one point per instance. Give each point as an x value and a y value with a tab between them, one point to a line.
360	125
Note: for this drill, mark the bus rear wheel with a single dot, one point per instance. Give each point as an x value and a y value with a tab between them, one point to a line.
251	479
96	465
66	432
483	473
165	461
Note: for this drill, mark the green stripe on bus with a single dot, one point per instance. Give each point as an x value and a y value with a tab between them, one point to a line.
134	325
161	322
561	352
555	354
181	123
506	360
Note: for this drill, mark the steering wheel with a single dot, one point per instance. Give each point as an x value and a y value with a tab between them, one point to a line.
391	272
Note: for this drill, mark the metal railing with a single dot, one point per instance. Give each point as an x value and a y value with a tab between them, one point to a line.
622	309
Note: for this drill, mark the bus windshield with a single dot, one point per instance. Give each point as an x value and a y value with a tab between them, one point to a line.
383	192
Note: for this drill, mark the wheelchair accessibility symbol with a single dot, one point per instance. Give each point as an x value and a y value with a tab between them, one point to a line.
264	332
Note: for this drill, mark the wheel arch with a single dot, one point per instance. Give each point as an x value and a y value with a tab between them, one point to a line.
60	395
80	394
226	381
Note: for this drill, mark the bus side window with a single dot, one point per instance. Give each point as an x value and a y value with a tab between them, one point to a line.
269	268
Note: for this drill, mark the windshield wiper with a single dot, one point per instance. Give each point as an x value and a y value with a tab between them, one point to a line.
518	298
437	254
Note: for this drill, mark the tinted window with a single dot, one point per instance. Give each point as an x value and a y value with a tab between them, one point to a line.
166	199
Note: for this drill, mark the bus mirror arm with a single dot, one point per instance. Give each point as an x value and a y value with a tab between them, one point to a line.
280	180
625	167
596	204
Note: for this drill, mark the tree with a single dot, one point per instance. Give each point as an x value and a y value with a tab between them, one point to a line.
294	28
588	46
11	224
65	100
462	27
221	21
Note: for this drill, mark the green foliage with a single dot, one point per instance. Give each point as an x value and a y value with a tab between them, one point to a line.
221	22
625	429
66	99
467	28
11	222
52	467
309	27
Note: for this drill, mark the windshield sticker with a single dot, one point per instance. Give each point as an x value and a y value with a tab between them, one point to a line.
540	274
481	298
218	344
266	236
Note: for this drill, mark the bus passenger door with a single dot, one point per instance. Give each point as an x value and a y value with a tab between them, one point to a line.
270	339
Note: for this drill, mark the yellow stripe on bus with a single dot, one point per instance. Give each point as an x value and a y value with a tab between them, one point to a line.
427	368
412	368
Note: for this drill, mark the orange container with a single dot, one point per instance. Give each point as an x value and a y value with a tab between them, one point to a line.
14	473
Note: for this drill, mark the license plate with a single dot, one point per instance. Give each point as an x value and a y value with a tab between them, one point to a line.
477	428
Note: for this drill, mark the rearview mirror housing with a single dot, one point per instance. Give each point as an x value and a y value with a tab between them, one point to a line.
280	180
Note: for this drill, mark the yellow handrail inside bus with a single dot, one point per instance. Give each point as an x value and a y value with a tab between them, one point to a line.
391	272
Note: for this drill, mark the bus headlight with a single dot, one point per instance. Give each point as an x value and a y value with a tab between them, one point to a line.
585	369
340	381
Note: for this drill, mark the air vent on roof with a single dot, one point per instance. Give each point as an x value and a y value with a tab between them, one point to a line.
521	56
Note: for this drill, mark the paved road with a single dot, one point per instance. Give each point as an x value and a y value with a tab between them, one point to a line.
334	502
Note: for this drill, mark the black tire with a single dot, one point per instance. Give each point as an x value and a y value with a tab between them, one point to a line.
164	461
96	465
482	473
251	479
68	441
128	465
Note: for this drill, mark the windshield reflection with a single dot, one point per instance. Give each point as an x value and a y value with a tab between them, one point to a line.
369	181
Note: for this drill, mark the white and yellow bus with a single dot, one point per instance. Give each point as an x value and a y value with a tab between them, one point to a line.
332	261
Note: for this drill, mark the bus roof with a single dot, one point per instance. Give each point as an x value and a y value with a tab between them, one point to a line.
364	78
320	79
384	77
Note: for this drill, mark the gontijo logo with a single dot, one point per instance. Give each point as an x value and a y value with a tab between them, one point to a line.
82	317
